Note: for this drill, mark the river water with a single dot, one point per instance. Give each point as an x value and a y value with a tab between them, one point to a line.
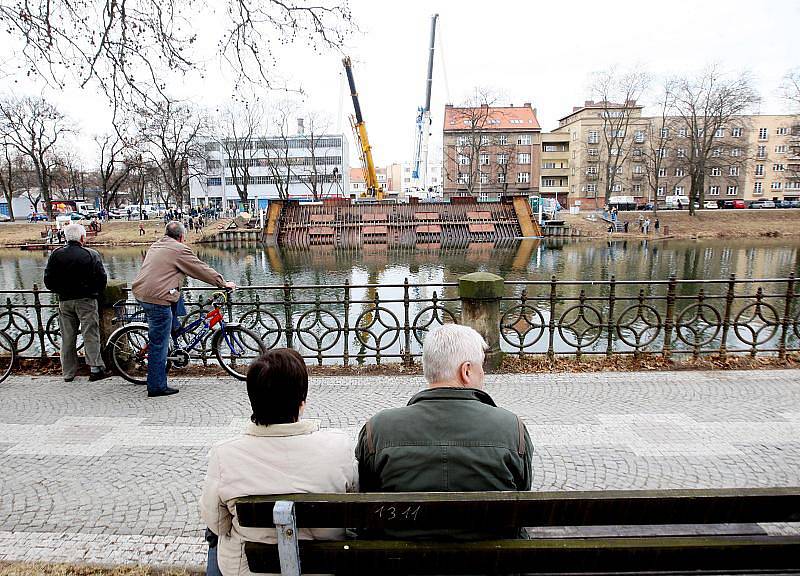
528	260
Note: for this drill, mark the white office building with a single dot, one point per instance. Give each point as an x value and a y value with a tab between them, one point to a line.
272	164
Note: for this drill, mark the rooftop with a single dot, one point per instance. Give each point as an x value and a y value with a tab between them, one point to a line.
494	118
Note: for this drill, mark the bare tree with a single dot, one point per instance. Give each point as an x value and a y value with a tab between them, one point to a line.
706	104
172	137
117	158
316	127
69	175
656	145
790	88
506	147
616	95
277	156
463	155
239	127
33	127
9	178
133	49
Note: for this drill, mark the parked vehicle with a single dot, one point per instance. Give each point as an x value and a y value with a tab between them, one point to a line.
37	217
676	202
733	204
757	204
787	204
79	216
5	218
710	205
117	214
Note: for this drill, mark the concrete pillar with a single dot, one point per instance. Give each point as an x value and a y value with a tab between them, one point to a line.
480	294
115	291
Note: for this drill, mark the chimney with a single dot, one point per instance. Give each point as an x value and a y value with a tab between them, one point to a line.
301	129
587	103
526	105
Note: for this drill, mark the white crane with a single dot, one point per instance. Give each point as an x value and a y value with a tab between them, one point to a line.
420	172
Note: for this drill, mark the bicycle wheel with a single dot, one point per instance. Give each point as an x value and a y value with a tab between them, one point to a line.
127	349
8	356
235	347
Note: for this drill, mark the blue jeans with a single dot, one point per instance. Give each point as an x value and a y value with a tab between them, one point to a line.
161	321
212	566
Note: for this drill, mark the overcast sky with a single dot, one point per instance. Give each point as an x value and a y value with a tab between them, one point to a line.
538	52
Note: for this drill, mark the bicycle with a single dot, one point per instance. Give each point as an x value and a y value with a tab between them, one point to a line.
8	355
234	346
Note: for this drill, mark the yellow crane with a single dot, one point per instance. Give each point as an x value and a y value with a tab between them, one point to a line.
374	189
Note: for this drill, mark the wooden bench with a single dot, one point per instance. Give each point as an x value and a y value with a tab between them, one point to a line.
678	531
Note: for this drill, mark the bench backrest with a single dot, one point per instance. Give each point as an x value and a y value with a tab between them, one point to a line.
755	550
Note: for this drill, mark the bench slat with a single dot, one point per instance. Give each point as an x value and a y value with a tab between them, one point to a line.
587	555
502	510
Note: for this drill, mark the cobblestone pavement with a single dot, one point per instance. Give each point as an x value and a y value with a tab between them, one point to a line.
99	472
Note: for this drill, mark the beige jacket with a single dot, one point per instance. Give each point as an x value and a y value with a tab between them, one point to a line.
277	459
166	265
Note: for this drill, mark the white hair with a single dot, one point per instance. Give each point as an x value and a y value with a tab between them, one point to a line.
74	232
447	348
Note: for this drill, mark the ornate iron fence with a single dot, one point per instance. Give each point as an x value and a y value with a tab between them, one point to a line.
373	323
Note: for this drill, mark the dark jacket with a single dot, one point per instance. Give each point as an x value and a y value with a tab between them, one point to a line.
445	440
74	271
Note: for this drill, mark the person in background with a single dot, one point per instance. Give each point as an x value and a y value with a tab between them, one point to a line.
77	275
157	288
279	453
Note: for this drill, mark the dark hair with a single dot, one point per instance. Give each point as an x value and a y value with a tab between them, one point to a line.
277	382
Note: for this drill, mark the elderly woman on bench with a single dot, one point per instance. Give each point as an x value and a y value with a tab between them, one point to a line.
278	454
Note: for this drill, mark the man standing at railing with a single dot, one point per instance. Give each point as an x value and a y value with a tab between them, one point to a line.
157	288
77	275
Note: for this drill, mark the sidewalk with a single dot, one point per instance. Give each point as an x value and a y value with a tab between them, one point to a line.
98	472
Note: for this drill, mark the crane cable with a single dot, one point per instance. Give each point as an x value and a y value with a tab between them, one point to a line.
440	42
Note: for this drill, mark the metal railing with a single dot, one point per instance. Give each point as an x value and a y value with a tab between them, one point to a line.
374	323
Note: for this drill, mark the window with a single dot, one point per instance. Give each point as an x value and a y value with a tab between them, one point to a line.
548	165
523	158
463	160
719	133
781	149
778	167
549	182
616	133
615	169
733	171
682	132
594	137
213	181
763	133
502	140
638	169
524	139
591	169
486	140
716	171
501	178
736	132
484	178
662	172
664	133
661	191
758	188
574	134
637	151
637	189
680	172
615	152
700	132
593	152
736	152
716	152
713	190
462	141
638	136
681	152
523	177
762	152
775	186
759	169
616	188
484	158
661	152
782	131
550	148
591	189
463	178
678	191
502	158
733	190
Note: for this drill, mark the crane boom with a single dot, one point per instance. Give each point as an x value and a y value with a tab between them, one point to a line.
374	189
420	172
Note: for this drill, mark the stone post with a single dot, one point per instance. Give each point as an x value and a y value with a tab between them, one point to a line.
480	294
115	291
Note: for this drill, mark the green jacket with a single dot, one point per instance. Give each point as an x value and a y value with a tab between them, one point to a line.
444	440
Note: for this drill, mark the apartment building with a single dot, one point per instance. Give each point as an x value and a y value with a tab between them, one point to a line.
298	167
773	170
489	151
556	167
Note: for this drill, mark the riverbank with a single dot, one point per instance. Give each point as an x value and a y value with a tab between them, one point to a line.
706	224
114	233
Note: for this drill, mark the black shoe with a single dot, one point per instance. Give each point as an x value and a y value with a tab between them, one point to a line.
165	392
69	379
95	376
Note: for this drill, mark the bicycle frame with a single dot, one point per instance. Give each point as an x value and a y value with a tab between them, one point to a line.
208	321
